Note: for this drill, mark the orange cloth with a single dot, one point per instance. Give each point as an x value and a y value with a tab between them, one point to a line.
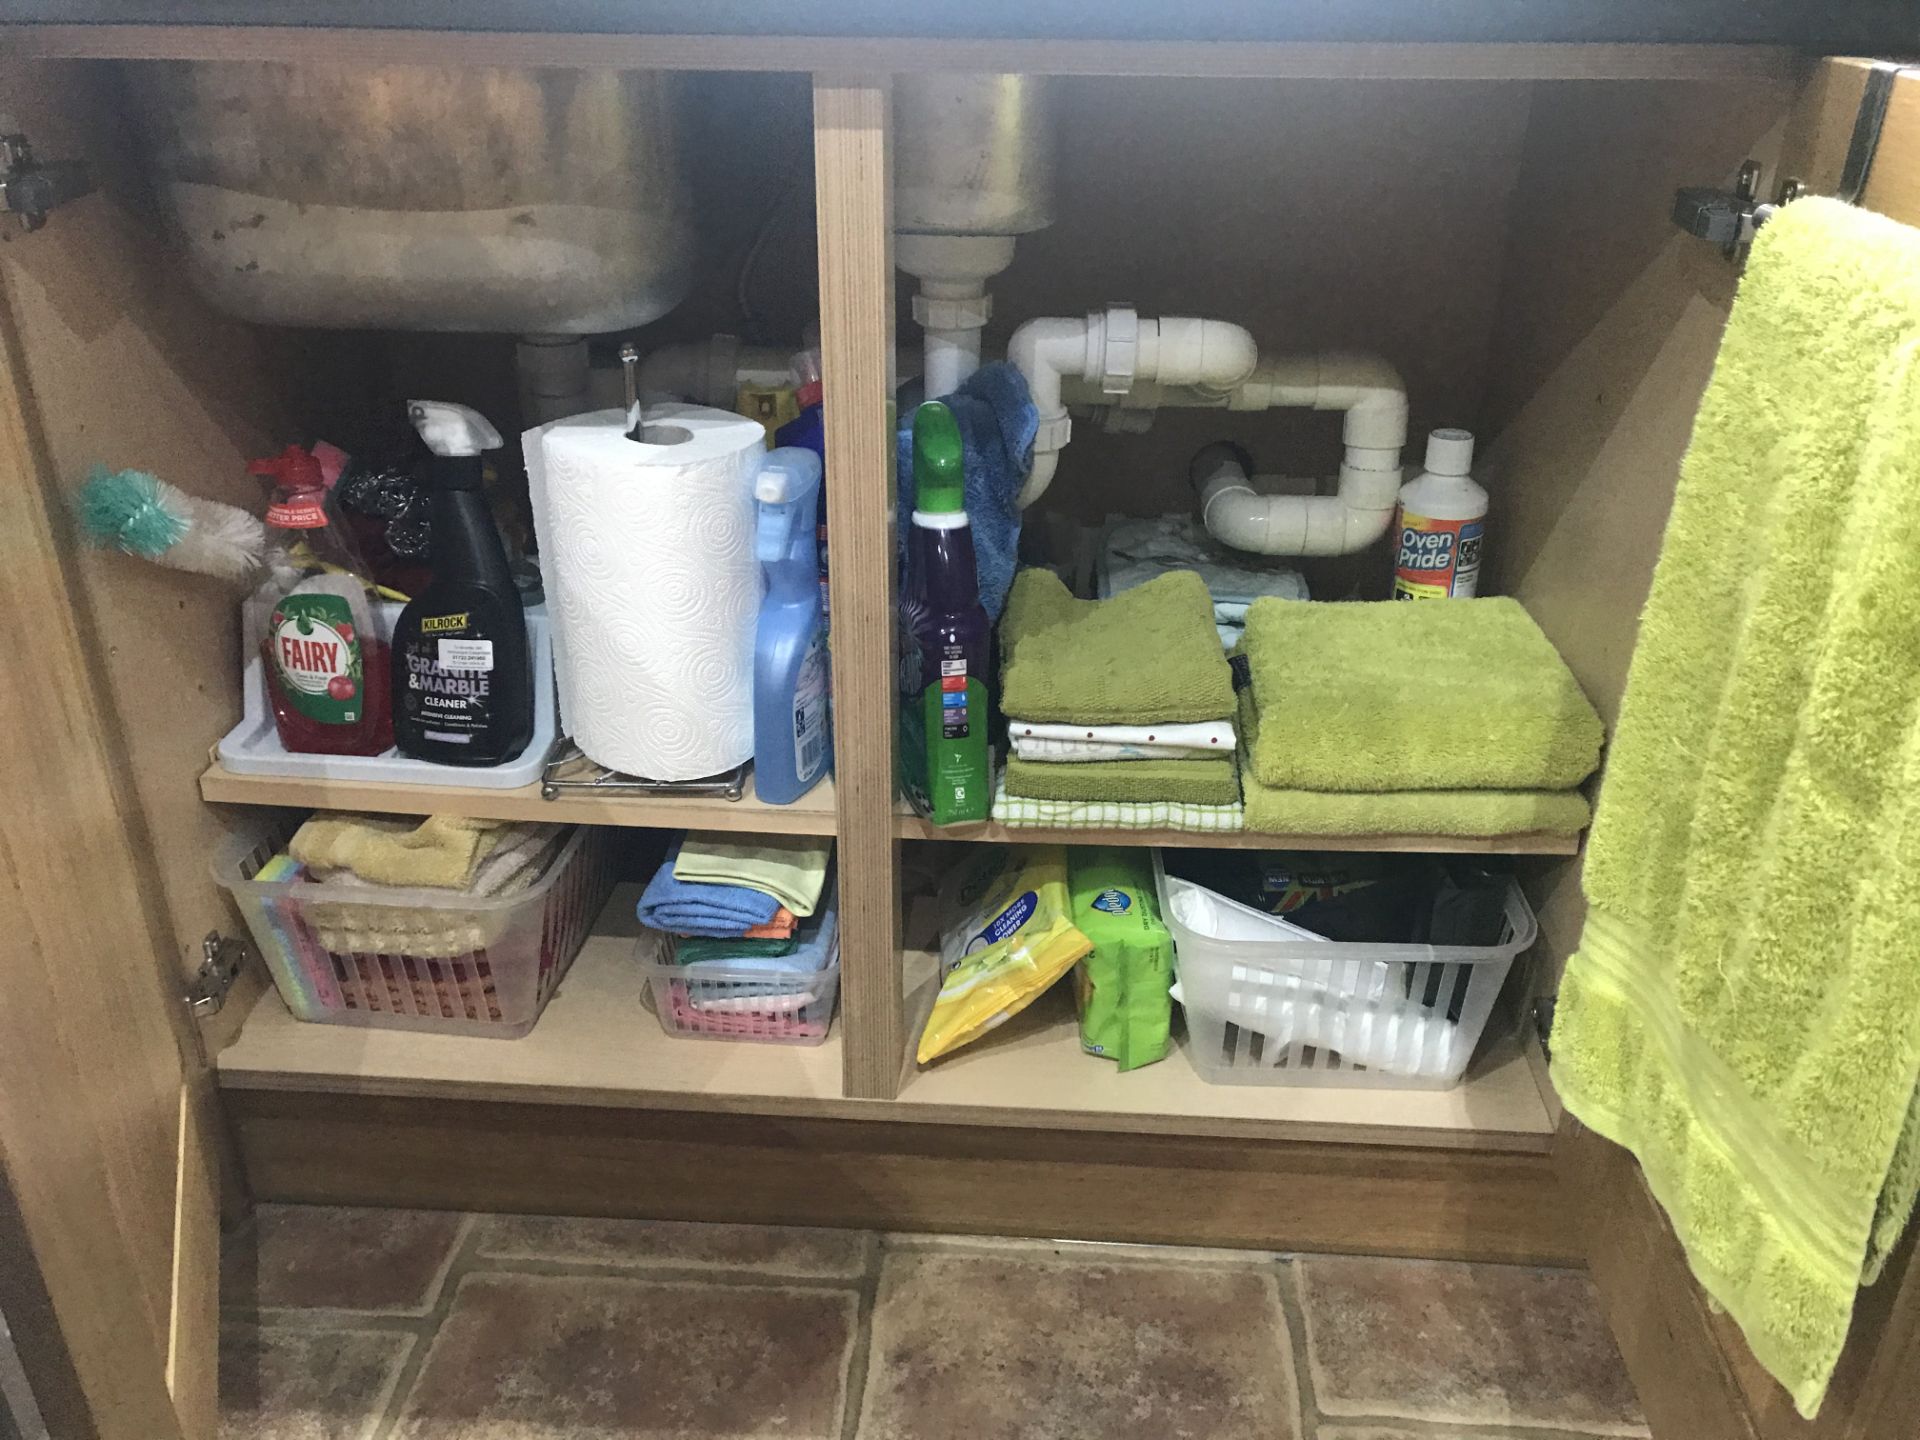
781	927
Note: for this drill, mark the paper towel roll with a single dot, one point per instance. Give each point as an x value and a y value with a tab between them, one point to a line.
646	552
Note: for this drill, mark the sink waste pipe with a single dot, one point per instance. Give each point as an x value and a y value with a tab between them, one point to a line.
1126	368
1114	350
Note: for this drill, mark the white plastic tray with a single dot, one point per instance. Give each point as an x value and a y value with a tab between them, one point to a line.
253	746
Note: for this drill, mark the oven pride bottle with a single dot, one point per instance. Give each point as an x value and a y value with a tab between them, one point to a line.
1442	522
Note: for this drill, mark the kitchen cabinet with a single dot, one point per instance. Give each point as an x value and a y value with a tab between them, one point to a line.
1494	216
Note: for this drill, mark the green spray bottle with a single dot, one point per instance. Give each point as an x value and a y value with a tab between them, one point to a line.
945	766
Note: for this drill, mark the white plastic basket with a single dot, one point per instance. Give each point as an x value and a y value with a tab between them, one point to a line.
476	965
732	1002
1268	1003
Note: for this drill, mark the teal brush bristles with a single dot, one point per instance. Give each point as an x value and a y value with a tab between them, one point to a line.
130	510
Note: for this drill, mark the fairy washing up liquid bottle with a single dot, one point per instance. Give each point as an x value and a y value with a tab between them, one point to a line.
322	641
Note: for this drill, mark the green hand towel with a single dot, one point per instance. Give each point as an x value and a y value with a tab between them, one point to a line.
1462	813
1208	781
1147	656
1743	1012
1282	810
791	868
696	949
1414	695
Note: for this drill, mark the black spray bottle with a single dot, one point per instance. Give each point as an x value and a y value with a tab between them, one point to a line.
462	672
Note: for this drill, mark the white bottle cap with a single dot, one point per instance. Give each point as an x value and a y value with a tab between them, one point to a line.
1449	452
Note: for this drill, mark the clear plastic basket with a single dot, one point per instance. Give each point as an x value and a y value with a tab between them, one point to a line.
1267	1003
732	1002
419	959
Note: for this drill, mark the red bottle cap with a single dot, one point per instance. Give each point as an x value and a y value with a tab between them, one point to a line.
300	503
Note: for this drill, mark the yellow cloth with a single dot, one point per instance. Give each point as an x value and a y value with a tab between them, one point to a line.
442	851
791	868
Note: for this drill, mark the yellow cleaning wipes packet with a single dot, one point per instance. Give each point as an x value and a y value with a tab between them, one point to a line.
1013	938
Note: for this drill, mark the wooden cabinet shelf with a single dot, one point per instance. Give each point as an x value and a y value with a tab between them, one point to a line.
599	1045
1032	1072
912	827
812	814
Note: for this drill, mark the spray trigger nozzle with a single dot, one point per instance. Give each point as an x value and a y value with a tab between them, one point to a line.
451	429
786	474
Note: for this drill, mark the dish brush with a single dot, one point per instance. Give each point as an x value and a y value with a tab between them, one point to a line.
143	515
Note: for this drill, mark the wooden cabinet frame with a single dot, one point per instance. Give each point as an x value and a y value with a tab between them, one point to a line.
120	1333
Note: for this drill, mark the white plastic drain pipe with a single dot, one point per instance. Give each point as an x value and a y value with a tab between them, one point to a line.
952	305
553	377
1374	400
1374	431
1236	514
711	371
1115	349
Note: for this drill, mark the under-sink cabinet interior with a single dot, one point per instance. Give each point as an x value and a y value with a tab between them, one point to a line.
1497	237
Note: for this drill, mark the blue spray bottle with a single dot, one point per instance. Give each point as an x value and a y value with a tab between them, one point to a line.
792	736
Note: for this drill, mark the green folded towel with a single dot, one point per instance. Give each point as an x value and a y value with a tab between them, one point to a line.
697	949
1206	781
1414	695
1147	656
1283	810
1462	813
1743	1012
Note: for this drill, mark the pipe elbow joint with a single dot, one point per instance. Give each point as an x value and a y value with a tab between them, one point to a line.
1043	350
1039	477
1212	355
1372	393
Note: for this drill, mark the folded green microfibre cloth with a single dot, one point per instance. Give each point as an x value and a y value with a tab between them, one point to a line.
697	949
1148	656
1414	695
1208	781
1743	1011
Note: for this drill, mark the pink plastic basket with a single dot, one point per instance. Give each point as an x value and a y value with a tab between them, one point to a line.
724	1002
507	957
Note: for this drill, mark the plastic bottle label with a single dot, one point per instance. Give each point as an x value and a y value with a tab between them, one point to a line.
1438	559
953	695
299	511
448	680
316	657
466	654
810	713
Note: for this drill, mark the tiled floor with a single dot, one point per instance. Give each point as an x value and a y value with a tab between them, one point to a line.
370	1324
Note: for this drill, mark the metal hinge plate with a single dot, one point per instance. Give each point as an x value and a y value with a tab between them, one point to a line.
1731	218
221	959
29	189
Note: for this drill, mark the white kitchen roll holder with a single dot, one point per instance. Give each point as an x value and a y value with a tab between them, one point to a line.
573	770
647	541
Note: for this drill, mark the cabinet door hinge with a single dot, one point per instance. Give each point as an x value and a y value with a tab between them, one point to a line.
29	189
221	959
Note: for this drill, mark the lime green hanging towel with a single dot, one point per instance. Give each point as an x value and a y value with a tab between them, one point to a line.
1743	1012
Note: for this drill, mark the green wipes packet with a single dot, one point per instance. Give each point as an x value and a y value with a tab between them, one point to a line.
1121	988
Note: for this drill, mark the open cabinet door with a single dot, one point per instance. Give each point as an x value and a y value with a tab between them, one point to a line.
110	1210
1855	132
109	1174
